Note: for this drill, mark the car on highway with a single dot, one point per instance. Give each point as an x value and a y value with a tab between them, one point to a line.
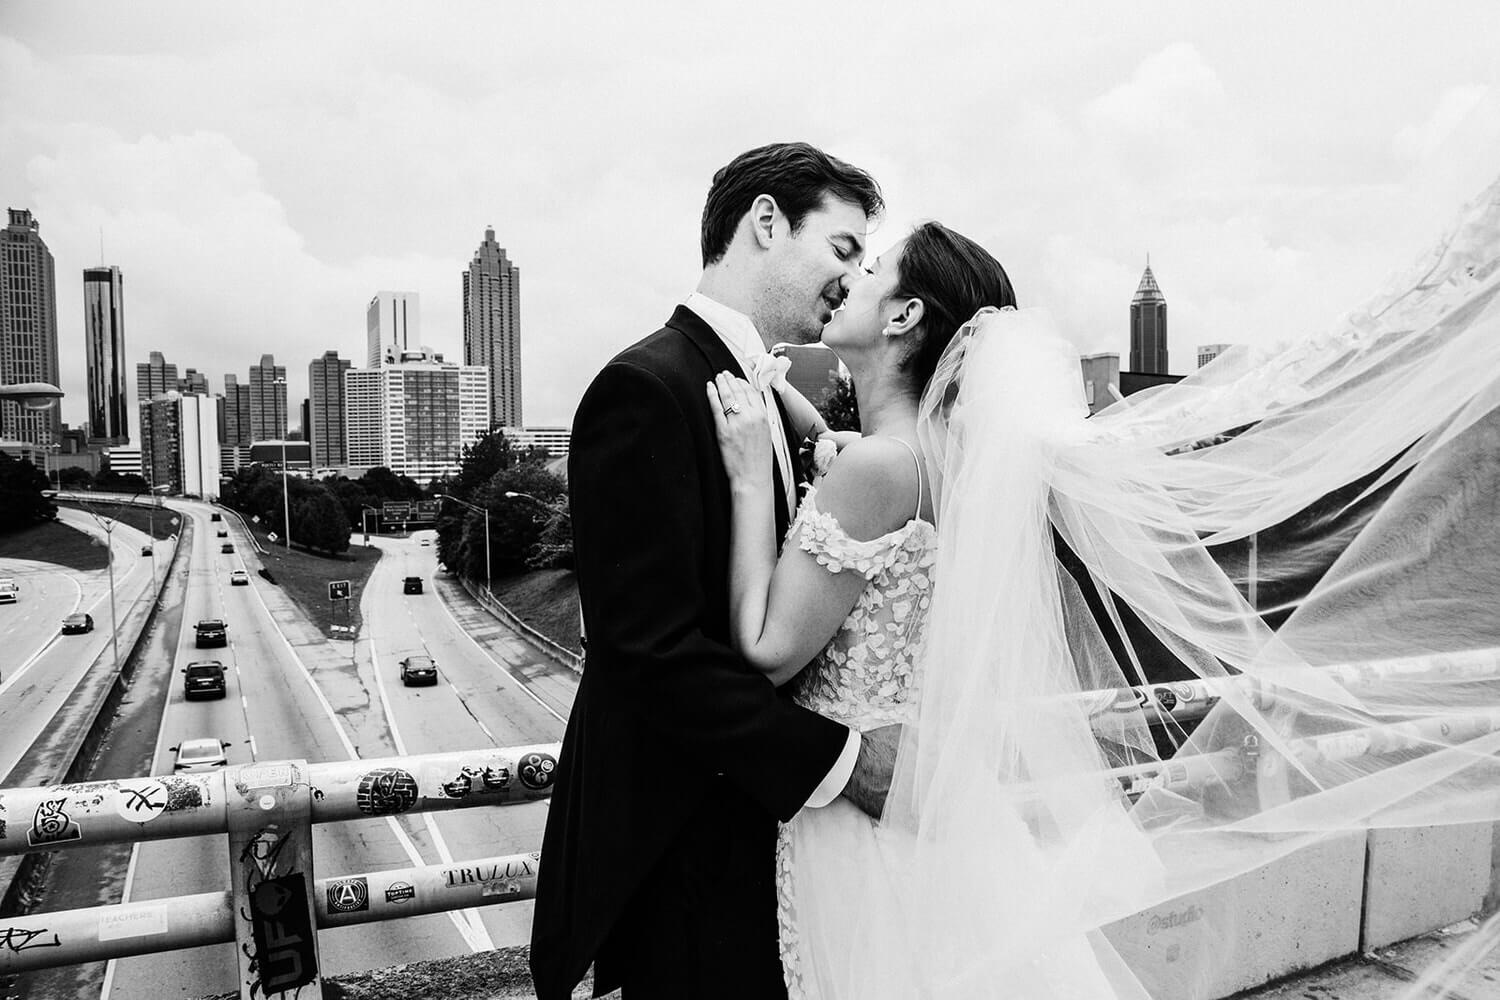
202	754
411	585
204	679
215	517
239	578
211	632
223	532
418	670
227	547
145	550
425	542
77	623
9	591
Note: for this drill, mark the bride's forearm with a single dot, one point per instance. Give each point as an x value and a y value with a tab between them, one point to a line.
752	560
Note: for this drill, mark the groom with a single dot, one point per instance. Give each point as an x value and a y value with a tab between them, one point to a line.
659	854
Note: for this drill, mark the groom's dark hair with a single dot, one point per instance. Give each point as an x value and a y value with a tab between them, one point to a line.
797	175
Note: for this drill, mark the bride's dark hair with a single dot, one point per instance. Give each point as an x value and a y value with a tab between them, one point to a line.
955	278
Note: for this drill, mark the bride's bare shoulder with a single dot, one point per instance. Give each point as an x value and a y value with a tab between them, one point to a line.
871	488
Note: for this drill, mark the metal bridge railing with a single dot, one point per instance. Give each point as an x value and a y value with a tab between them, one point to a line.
275	905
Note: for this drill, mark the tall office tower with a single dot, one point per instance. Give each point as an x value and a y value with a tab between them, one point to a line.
393	326
236	413
193	381
104	341
180	444
492	327
1207	352
28	328
414	418
154	377
268	400
325	410
1148	327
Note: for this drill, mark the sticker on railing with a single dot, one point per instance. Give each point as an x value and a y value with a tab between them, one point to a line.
141	801
143	922
385	791
536	770
348	895
400	892
50	824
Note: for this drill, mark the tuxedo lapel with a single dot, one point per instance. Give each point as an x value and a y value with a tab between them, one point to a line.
720	358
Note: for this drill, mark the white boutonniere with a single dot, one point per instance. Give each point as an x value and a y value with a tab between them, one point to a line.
766	371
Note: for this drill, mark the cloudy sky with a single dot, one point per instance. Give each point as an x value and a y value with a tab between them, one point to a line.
259	171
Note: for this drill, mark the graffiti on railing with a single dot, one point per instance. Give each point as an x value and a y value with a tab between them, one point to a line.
19	939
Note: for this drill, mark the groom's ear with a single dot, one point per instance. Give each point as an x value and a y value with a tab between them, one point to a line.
763	212
906	318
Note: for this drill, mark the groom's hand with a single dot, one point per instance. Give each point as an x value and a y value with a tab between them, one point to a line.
871	781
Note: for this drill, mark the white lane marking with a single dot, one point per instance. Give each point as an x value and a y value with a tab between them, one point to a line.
428	820
459	923
493	659
26	663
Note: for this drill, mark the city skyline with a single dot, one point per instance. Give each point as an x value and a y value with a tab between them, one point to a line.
1276	179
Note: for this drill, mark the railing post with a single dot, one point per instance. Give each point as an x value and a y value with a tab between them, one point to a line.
271	879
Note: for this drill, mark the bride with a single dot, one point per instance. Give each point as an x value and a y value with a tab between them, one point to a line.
1313	532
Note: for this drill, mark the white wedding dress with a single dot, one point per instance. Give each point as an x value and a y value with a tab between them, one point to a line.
1313	531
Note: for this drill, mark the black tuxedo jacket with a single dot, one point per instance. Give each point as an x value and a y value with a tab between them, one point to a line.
678	757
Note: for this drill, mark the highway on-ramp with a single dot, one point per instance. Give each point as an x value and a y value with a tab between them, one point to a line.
40	668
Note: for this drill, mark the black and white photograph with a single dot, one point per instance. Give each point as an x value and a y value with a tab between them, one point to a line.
969	500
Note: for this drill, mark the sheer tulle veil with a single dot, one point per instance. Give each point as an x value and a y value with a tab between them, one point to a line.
1307	541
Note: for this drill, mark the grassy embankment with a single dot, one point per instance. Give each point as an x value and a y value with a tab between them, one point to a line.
547	600
54	542
305	576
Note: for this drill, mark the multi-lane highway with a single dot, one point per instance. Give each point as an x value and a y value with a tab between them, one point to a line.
41	667
294	694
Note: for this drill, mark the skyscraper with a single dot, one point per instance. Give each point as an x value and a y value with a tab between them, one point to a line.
268	400
104	341
236	413
1148	327
154	377
325	411
1207	352
180	443
193	381
393	324
414	418
28	327
492	327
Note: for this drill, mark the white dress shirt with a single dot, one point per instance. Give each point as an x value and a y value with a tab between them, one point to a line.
739	334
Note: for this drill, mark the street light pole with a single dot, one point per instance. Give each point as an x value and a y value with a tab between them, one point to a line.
108	525
286	503
486	512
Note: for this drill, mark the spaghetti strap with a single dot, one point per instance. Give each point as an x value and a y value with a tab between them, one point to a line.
918	459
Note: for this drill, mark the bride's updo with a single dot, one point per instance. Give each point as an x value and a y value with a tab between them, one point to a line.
955	278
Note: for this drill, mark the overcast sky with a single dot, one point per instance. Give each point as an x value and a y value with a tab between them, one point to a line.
260	171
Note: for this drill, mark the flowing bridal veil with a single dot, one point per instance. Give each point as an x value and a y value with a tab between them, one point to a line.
1308	541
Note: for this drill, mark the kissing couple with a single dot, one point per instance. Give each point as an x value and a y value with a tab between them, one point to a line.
872	735
741	706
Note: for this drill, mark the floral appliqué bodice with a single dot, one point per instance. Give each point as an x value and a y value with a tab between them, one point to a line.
867	674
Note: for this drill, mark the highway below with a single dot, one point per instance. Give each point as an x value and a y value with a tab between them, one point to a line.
292	693
41	667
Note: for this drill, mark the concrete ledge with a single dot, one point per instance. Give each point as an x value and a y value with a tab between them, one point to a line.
1293	914
1420	878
